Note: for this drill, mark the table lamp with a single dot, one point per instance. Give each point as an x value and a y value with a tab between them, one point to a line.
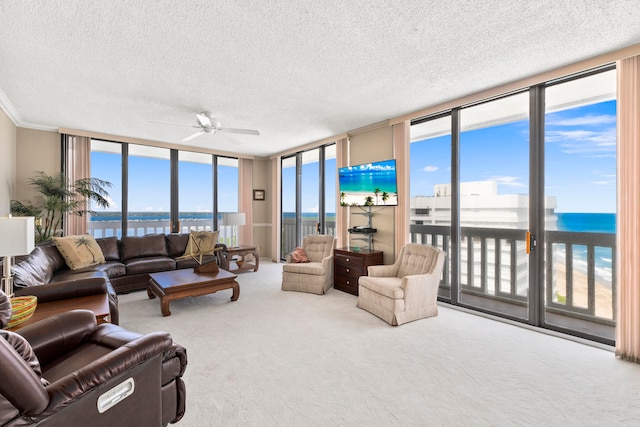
17	238
234	220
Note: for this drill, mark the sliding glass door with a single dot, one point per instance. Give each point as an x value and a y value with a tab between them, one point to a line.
524	188
580	181
430	189
494	205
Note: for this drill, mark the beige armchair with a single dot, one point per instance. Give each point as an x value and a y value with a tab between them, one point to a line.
406	290
316	276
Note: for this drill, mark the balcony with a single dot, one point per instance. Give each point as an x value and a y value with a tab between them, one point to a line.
309	226
579	295
110	228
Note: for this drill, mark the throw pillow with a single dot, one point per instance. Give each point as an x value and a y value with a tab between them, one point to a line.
201	243
299	255
79	251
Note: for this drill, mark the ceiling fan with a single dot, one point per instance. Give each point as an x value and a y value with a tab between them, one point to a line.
208	123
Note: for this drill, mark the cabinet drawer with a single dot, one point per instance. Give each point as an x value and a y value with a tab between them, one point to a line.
349	270
354	261
346	284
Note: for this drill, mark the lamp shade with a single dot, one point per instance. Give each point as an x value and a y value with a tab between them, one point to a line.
234	219
17	235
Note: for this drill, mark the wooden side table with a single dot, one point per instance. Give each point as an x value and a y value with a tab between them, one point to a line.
349	265
98	303
235	257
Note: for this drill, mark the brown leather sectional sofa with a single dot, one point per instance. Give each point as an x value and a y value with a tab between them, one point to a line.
129	261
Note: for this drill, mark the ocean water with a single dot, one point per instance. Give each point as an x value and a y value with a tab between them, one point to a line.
574	222
358	183
366	178
589	223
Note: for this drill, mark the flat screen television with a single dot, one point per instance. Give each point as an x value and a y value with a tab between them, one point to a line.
369	184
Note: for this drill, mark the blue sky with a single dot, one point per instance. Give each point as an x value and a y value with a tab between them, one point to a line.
310	194
580	156
149	190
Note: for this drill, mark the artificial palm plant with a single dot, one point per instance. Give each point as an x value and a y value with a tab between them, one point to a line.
58	197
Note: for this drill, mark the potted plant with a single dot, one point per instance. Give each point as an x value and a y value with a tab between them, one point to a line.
57	198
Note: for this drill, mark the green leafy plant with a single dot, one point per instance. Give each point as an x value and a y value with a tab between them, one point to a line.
57	198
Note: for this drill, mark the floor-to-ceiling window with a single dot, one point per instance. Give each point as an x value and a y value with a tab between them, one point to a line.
159	190
330	174
531	202
148	190
289	231
227	201
494	194
195	191
308	195
106	164
430	188
580	181
309	191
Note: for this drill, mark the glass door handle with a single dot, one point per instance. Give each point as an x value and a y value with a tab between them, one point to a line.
530	241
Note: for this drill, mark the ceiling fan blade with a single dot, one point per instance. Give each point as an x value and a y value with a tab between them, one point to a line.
204	120
174	124
192	136
244	131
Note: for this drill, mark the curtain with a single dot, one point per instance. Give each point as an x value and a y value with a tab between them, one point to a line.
628	223
77	165
245	201
401	153
342	214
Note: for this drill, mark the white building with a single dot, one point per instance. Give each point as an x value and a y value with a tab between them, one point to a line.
482	207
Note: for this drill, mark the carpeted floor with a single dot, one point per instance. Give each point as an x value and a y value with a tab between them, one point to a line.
277	358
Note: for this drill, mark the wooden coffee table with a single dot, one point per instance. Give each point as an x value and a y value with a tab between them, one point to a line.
176	284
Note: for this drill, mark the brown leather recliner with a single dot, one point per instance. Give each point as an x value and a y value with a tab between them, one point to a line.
69	371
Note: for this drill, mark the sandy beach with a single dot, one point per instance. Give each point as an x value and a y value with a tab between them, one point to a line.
604	305
359	198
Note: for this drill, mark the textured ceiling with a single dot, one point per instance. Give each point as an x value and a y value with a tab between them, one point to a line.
298	71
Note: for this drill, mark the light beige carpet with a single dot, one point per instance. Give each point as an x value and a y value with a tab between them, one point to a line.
277	358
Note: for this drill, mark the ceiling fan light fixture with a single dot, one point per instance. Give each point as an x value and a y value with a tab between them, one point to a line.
208	123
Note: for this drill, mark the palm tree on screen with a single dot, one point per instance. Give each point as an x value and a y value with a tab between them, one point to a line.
376	192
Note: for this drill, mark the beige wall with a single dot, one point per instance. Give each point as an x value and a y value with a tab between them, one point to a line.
373	146
36	150
262	224
7	162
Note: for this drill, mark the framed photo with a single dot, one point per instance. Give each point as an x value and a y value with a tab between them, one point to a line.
258	195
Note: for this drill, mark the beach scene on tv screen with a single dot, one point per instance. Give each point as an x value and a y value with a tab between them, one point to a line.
371	184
